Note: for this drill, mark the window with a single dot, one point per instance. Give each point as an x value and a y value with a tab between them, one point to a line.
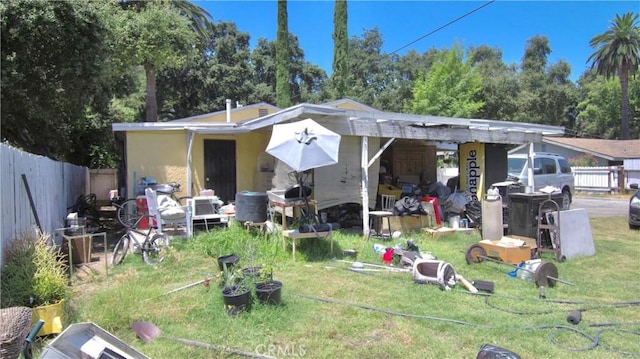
564	166
549	166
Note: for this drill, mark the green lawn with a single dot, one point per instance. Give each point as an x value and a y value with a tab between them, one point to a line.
329	311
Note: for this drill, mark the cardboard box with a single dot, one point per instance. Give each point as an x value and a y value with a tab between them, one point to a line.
407	224
510	249
439	232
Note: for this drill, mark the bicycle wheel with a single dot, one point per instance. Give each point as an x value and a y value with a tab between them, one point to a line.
120	250
155	249
183	200
127	214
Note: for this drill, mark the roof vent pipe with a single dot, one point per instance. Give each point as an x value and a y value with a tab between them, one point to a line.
228	110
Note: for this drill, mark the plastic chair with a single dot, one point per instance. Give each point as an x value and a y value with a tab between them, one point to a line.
388	201
165	210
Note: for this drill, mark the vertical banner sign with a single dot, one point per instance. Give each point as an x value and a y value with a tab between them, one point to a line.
472	169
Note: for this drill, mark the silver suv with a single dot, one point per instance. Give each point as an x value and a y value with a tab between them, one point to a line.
549	169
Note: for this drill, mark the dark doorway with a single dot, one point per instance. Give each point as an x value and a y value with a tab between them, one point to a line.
220	168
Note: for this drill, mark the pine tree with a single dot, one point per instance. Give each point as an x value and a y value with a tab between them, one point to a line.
283	91
340	72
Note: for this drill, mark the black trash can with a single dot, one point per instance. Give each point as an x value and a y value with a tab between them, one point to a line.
251	206
523	211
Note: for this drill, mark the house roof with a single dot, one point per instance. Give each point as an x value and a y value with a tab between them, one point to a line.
348	117
614	150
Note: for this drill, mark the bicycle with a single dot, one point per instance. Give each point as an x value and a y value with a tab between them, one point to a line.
154	247
127	211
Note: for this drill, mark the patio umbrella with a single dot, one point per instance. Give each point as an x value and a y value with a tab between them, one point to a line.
304	145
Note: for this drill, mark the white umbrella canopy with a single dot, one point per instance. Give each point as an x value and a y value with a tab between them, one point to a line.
304	145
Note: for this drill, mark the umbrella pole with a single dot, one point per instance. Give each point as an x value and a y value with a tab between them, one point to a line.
307	216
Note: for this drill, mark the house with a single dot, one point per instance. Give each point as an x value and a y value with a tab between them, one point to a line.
607	153
225	151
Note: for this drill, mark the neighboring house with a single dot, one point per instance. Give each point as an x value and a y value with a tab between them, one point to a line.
224	150
605	152
625	153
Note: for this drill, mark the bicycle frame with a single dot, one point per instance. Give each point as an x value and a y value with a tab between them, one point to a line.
152	248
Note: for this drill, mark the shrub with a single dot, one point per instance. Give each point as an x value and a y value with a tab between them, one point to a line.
34	273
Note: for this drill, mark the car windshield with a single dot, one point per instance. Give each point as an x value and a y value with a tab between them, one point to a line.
515	166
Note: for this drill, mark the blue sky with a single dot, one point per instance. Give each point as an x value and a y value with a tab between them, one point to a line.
569	25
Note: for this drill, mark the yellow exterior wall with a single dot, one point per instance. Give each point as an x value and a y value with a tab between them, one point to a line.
159	155
237	114
163	155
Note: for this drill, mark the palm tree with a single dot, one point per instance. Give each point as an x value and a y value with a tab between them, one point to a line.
617	52
199	23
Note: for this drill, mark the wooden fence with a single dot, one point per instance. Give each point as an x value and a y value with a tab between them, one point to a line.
34	190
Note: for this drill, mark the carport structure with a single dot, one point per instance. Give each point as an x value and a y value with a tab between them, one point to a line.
366	134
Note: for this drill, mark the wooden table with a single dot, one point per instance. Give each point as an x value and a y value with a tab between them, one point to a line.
295	234
293	204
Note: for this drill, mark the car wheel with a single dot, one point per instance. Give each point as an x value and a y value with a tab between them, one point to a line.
566	199
631	226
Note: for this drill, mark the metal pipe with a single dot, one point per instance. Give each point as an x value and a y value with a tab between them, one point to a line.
524	269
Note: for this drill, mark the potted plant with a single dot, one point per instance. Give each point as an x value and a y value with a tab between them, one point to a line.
35	275
236	292
268	290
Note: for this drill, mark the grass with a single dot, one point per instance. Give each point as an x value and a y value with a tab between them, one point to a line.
330	312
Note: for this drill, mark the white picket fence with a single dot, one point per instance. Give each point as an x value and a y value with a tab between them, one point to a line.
604	179
49	186
587	179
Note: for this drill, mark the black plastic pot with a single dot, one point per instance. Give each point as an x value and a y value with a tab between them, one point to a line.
230	260
236	299
269	292
252	272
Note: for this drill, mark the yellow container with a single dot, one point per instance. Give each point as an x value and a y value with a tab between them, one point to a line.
389	190
52	317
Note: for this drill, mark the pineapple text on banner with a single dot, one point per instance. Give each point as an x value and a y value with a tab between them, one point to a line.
472	169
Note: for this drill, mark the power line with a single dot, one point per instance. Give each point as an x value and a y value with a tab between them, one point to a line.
443	26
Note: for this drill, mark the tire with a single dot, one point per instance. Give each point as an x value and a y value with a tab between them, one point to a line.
566	200
155	249
475	253
127	214
120	250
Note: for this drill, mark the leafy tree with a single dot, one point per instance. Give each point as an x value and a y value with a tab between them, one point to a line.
500	87
370	71
340	49
283	91
546	94
306	81
448	88
155	37
599	110
617	52
408	69
54	78
219	70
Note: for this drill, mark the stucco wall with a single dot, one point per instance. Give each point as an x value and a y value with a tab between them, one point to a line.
159	155
163	155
